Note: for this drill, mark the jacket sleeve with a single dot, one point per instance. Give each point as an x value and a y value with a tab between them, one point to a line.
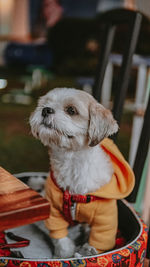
104	225
56	222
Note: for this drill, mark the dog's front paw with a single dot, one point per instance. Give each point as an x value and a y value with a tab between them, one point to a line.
87	250
64	247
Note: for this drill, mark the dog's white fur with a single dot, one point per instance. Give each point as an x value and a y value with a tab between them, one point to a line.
78	162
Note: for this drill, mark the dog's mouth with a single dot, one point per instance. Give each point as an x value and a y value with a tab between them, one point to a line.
47	125
51	126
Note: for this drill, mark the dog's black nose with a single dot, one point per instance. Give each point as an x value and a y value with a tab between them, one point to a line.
46	111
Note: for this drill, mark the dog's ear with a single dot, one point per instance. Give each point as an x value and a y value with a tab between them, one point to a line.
101	123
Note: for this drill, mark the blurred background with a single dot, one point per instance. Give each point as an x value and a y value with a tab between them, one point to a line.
49	43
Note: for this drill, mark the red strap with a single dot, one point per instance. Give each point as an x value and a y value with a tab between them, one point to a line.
75	198
69	199
14	245
5	247
54	180
67	203
83	198
21	242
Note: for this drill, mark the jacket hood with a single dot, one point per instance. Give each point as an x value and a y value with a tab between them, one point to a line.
122	181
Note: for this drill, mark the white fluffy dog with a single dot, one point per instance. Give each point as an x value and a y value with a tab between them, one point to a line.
71	123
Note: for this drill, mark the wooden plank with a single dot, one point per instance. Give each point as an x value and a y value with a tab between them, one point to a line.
9	184
19	204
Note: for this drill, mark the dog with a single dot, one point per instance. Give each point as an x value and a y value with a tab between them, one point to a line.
88	172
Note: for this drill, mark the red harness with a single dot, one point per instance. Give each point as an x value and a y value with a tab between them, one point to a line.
70	199
5	248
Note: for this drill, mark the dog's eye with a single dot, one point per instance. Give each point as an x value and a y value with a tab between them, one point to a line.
71	110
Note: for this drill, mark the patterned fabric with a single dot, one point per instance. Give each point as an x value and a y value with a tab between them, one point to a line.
131	255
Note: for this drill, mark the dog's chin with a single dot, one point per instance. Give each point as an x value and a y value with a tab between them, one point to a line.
51	136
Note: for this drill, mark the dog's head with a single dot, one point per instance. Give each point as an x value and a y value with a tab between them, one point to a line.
71	119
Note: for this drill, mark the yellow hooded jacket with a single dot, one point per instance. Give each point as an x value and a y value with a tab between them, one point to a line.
101	214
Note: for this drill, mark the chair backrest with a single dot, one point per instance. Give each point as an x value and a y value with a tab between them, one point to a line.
112	20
